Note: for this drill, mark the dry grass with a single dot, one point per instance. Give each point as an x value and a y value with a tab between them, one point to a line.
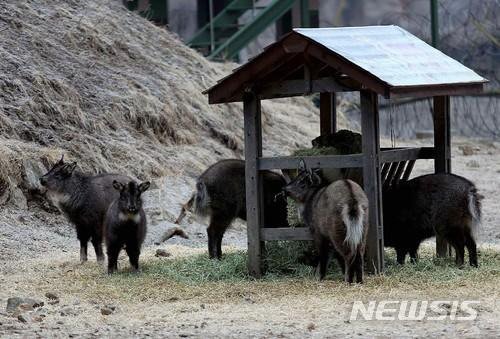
190	275
108	88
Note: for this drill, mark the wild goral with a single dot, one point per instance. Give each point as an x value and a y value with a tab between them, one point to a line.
83	199
220	195
443	204
125	224
337	215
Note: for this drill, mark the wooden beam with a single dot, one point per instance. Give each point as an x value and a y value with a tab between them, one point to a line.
253	150
328	113
286	233
298	87
320	161
372	180
442	145
399	172
410	153
387	180
344	66
435	90
409	168
236	82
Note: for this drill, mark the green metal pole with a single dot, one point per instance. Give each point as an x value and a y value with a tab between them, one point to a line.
434	23
304	13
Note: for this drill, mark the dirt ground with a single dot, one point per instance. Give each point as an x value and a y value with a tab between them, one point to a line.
39	254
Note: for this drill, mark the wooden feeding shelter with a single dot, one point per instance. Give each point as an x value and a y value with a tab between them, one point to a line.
374	60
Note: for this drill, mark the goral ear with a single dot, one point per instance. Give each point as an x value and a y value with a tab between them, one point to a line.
315	178
302	166
144	186
69	168
118	185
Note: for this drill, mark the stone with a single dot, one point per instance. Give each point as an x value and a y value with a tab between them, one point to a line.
34	302
26	304
424	134
13	303
106	311
23	318
33	170
25	307
473	164
16	197
51	295
66	311
466	150
162	253
38	318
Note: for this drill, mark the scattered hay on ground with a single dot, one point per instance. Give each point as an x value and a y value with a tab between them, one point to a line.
189	274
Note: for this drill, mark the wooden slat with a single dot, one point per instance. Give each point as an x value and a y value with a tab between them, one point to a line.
320	161
236	82
346	67
327	113
298	87
287	233
385	170
442	141
390	175
253	150
435	90
399	172
409	168
402	154
371	180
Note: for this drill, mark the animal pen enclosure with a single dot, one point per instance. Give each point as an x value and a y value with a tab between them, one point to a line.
374	60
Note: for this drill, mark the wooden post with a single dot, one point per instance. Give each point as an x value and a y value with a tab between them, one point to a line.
253	150
442	145
328	113
371	180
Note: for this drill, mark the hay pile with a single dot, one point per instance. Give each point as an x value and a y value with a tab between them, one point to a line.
106	87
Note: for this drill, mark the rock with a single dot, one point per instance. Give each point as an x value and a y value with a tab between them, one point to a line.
33	170
66	311
473	164
26	304
51	295
23	318
16	197
106	311
423	134
311	327
25	307
33	302
13	303
162	253
53	302
38	318
466	150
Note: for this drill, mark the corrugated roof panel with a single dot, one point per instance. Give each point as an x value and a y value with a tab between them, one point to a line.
393	55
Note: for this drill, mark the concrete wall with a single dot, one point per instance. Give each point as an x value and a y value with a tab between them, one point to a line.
182	17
